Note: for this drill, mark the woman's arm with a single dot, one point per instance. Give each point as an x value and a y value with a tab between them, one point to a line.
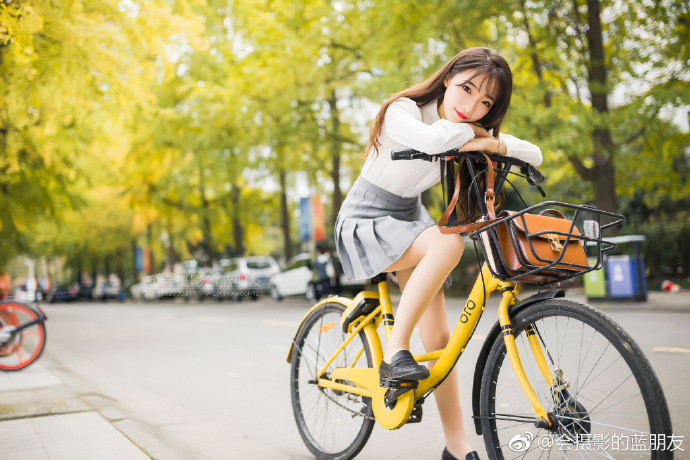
512	147
522	150
403	124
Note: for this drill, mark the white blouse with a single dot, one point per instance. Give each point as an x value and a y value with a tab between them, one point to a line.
407	126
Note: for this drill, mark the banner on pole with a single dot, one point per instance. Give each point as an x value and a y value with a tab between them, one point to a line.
304	219
318	219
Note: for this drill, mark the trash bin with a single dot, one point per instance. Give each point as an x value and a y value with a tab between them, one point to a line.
621	277
595	282
624	277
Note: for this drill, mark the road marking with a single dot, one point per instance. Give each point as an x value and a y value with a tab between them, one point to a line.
212	319
272	322
671	349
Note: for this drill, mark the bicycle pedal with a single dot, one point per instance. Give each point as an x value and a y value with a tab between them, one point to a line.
396	384
391	397
416	415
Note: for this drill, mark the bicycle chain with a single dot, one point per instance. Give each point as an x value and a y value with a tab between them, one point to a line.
354	413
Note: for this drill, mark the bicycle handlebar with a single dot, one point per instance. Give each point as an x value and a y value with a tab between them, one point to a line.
532	174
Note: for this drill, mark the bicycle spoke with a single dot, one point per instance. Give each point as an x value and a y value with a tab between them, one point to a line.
597	390
333	420
615	404
20	355
586	384
610	393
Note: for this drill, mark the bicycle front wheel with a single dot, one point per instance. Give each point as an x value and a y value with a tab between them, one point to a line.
333	424
606	400
19	350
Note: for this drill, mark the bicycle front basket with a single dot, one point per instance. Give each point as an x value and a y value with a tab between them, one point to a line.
542	247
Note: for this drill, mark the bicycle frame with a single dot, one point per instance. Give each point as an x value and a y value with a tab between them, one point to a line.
365	381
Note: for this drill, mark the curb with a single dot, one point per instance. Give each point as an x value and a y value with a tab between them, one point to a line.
40	417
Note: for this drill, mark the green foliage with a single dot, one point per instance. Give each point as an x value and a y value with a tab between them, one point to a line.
172	124
666	252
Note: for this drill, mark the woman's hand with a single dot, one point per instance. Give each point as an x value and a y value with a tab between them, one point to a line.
479	131
483	144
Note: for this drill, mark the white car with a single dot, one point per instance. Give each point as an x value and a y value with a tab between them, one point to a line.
161	285
247	276
294	280
298	278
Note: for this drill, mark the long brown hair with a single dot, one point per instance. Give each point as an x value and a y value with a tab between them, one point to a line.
484	61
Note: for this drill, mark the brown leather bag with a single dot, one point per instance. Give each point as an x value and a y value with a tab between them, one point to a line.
525	242
535	242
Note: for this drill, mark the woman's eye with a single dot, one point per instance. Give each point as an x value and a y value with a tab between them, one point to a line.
467	88
487	103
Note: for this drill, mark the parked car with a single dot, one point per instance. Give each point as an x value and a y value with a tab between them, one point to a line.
299	278
106	288
205	283
294	279
247	276
62	293
159	286
85	291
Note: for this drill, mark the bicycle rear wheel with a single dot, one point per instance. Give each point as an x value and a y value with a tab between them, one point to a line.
19	350
609	402
333	424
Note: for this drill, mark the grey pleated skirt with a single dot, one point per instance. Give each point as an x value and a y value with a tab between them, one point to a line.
375	227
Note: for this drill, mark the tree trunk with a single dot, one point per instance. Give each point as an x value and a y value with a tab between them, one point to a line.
238	231
602	174
603	171
206	221
172	257
604	187
149	239
284	212
134	261
336	151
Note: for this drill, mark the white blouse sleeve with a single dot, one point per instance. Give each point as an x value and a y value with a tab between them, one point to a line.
403	124
522	150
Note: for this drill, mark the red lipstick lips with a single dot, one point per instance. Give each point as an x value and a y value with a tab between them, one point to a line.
462	117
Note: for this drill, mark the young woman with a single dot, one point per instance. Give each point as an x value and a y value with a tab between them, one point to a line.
383	227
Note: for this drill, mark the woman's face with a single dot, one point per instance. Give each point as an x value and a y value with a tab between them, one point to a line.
467	101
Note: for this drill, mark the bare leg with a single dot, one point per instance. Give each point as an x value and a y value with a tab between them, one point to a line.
434	331
431	258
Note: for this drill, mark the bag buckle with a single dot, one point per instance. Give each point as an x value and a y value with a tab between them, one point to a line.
555	243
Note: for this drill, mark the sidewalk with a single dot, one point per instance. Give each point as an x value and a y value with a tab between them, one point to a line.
656	301
40	418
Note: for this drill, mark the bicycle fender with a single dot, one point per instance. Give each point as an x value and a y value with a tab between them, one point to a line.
341	300
489	341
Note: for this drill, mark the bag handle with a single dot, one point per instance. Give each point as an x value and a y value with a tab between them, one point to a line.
555	212
488	198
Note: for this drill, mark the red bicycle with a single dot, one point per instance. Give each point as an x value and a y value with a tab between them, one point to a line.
22	335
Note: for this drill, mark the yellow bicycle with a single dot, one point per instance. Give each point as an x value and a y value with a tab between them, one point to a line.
576	382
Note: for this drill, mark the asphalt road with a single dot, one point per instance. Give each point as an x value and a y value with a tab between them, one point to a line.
210	380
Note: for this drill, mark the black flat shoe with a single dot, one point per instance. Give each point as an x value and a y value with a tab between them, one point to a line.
448	456
403	367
